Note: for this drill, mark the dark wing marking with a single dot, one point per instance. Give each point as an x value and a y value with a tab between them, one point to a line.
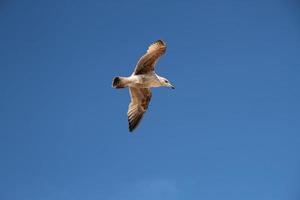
147	62
140	98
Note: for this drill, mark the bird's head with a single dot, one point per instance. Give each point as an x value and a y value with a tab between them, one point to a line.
165	82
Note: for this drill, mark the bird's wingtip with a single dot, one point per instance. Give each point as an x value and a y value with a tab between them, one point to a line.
161	42
130	130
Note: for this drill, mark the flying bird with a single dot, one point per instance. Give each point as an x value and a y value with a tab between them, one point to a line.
141	81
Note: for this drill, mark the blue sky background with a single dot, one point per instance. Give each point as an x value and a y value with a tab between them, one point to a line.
230	130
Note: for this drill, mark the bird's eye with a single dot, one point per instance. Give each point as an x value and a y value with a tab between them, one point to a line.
166	81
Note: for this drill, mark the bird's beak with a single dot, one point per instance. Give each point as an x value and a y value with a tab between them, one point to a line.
172	87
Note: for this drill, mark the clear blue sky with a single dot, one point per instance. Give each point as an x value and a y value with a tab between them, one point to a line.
230	130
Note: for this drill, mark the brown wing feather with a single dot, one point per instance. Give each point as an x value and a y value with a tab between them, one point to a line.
147	62
140	98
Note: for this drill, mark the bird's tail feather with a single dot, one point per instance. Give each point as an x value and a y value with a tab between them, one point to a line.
119	82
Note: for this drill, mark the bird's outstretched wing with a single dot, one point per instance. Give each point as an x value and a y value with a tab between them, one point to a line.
140	98
147	62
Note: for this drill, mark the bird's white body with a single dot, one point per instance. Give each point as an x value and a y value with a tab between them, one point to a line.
149	80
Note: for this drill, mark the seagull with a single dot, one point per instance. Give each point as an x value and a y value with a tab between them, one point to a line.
141	81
